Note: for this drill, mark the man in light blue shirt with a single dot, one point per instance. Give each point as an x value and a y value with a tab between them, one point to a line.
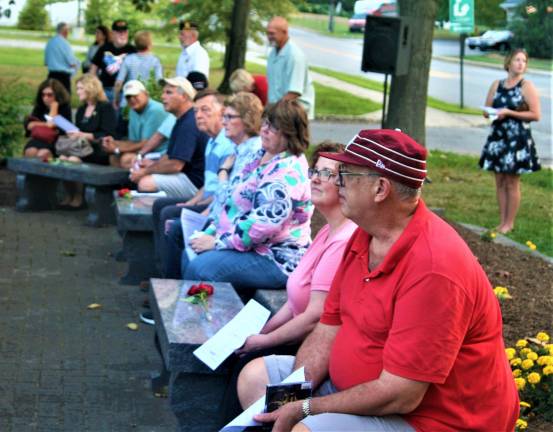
59	57
287	70
145	118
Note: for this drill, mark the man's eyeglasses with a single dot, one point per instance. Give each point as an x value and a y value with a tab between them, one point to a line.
229	117
267	124
343	173
325	174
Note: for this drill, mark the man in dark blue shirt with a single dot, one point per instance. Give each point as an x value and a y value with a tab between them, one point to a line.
180	173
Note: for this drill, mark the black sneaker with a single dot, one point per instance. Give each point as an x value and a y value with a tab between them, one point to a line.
147	317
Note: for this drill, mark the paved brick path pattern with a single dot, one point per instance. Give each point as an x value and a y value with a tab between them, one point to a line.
63	367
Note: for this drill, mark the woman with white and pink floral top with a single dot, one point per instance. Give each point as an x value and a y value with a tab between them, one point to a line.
263	229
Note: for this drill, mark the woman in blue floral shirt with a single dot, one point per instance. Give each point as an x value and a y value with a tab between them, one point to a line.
263	229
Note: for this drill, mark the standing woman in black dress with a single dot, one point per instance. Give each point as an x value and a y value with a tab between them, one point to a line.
509	150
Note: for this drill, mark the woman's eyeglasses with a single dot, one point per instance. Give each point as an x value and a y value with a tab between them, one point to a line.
229	117
47	94
267	125
325	174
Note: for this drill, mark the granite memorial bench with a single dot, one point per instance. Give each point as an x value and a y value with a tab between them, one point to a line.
271	299
37	184
135	226
195	391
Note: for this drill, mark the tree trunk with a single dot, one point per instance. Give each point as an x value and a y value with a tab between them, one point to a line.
407	109
235	53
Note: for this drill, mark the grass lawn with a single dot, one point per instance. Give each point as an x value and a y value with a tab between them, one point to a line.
377	86
330	101
468	195
319	23
495	58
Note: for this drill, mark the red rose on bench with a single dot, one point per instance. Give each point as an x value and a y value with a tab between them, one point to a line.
124	193
199	288
198	294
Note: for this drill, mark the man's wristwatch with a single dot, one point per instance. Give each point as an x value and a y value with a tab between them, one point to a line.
306	407
117	151
227	170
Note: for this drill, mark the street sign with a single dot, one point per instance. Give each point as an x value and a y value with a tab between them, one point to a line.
461	16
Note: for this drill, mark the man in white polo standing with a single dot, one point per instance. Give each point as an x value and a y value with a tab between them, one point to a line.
194	57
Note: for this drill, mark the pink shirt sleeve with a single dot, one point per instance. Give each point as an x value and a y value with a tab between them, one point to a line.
318	266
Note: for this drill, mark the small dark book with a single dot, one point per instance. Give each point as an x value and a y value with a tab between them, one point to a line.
280	394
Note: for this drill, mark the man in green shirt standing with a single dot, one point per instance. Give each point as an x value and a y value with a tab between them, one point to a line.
287	69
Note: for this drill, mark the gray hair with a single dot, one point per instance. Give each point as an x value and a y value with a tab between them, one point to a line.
405	192
60	27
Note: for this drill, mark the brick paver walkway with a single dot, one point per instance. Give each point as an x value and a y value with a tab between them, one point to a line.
63	367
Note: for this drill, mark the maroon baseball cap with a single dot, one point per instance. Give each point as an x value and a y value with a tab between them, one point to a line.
389	152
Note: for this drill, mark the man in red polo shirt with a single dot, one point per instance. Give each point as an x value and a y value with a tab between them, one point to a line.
411	334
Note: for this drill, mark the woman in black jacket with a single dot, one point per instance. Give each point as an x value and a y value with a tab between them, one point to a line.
95	119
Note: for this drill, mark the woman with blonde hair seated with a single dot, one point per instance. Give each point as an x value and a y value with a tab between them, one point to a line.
309	283
95	119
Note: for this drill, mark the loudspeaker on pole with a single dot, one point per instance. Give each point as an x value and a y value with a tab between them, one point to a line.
386	45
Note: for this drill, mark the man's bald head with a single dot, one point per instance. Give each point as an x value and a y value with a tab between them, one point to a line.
277	32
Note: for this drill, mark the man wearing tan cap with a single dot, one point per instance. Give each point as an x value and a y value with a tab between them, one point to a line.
179	173
145	118
194	57
411	333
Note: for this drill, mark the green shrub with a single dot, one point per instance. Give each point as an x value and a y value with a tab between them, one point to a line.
97	13
533	26
11	116
33	16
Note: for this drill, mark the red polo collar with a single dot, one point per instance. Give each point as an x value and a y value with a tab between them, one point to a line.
400	248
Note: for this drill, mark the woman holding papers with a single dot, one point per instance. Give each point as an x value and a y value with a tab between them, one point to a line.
309	283
95	119
264	223
52	99
509	150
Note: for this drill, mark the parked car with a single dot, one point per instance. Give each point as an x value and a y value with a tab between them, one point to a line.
491	40
387	10
357	22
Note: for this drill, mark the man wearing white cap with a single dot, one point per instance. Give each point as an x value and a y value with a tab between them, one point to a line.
411	333
145	118
180	172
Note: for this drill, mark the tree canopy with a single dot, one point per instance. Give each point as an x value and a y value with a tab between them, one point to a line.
215	16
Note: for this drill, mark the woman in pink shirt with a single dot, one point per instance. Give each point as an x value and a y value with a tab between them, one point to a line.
309	283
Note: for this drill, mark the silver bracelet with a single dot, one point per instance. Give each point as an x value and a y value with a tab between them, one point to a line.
306	407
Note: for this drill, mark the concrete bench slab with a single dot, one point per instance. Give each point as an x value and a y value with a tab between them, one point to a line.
37	183
135	225
195	391
271	299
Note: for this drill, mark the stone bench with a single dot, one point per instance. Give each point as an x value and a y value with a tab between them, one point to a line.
37	184
271	299
135	225
195	391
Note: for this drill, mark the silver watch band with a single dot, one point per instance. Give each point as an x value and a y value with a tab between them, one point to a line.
306	407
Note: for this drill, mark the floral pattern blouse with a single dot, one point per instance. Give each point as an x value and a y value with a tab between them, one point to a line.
268	211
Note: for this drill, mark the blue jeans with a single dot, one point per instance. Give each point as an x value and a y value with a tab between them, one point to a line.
246	271
168	247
